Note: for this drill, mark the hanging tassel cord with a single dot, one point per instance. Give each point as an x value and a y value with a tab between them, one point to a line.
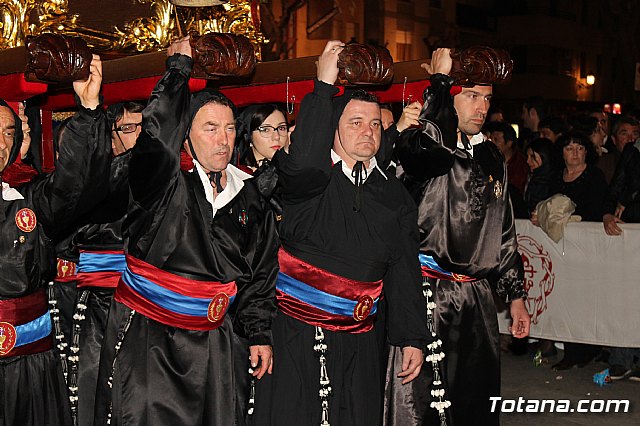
434	357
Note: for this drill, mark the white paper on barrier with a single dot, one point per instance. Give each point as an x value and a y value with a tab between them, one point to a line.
584	289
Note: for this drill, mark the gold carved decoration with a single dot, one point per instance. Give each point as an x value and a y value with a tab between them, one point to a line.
145	34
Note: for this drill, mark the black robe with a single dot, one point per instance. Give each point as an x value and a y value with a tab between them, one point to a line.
321	227
170	375
466	223
98	230
32	386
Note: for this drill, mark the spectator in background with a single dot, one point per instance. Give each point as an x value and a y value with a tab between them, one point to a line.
262	131
585	185
495	115
590	126
534	110
504	137
603	122
580	180
624	131
552	128
539	160
623	203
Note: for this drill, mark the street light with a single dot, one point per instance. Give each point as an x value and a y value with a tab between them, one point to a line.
591	79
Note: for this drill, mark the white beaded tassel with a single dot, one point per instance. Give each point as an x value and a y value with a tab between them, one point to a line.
252	391
121	335
325	385
57	329
434	356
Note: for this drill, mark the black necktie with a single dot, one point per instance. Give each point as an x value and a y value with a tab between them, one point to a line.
215	178
359	174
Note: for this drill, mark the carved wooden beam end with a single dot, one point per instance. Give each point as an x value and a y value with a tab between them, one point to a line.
481	65
362	64
57	58
221	54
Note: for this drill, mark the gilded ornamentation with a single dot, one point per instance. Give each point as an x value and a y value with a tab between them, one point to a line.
144	34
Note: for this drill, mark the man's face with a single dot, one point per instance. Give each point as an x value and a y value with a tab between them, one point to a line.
527	117
496	117
359	131
472	105
7	127
128	129
387	118
603	120
213	134
625	134
503	146
546	132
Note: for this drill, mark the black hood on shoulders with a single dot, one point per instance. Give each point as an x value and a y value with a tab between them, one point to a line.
17	136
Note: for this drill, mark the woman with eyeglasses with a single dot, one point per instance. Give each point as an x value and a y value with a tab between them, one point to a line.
262	131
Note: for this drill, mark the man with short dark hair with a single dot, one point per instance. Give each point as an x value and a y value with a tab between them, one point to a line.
348	235
504	137
200	244
468	249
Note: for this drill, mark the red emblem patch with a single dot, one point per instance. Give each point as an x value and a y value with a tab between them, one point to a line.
217	307
538	275
363	308
65	268
26	220
7	338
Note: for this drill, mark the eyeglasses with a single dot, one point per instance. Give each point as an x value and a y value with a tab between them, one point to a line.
128	128
267	131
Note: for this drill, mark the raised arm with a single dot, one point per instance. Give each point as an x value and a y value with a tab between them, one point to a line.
155	161
81	177
304	173
428	151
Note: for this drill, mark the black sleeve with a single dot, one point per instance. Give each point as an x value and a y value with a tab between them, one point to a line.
621	189
428	152
256	295
406	315
81	178
155	160
508	279
305	172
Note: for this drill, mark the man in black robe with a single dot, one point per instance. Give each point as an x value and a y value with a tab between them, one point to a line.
200	243
347	227
90	262
32	217
468	247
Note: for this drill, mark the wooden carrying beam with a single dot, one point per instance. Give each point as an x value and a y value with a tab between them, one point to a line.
134	77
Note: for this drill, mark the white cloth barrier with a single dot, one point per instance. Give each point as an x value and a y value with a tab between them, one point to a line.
584	289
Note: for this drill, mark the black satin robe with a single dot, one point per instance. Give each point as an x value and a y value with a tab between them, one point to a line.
466	223
32	387
98	230
168	375
321	227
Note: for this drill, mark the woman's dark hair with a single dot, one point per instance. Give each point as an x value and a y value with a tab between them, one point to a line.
249	120
544	148
581	139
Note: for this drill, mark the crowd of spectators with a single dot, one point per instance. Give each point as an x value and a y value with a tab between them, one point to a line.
591	158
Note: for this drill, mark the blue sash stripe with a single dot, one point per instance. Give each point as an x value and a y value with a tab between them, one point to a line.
318	299
34	330
167	299
101	262
430	262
